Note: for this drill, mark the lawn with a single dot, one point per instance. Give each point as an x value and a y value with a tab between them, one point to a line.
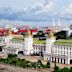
36	41
64	42
18	39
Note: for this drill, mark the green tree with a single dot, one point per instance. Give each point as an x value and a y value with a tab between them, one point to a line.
70	69
12	56
64	70
56	69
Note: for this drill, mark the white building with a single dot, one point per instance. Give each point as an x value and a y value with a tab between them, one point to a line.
58	51
55	51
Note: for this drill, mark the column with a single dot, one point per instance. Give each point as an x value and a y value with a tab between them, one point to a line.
51	59
45	57
56	59
63	61
69	61
66	61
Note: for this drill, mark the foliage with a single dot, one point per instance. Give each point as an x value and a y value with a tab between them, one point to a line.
13	60
56	69
70	69
64	70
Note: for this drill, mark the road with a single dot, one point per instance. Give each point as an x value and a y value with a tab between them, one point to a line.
7	68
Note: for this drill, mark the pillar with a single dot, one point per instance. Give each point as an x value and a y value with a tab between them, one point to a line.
56	59
63	61
59	60
68	61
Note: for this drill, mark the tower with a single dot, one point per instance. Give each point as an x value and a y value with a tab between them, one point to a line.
59	24
49	43
8	37
28	47
53	22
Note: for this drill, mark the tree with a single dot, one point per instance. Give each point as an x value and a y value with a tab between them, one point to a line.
70	69
56	69
48	64
64	70
12	56
39	63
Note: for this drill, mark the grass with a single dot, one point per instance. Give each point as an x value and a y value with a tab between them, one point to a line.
18	39
36	41
64	42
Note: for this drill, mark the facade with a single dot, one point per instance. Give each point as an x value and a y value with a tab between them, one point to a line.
54	52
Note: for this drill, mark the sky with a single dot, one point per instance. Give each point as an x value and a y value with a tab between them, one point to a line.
36	9
43	5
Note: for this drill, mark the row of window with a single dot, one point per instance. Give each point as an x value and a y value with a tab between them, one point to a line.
63	52
63	47
37	48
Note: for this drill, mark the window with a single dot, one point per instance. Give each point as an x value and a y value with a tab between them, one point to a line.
64	48
55	59
70	48
67	48
61	60
67	53
61	47
64	61
58	60
55	51
58	51
61	52
70	53
64	52
44	49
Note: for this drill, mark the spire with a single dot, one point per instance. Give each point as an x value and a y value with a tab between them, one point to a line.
28	32
59	24
50	34
53	22
9	32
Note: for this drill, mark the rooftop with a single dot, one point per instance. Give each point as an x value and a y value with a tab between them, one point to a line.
64	42
18	39
37	41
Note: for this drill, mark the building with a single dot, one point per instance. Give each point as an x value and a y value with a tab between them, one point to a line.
50	49
59	51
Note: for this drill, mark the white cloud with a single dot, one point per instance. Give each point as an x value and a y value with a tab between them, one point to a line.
48	6
67	10
45	6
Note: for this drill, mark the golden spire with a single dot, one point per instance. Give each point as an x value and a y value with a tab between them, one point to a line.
50	34
9	32
28	32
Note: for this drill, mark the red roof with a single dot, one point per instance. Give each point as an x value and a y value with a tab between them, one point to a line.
25	30
47	30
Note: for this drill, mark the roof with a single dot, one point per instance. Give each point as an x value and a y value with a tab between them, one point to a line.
20	39
36	41
67	42
25	30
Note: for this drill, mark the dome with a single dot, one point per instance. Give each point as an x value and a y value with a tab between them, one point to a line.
50	34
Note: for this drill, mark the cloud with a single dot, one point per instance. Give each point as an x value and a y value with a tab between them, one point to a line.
45	6
67	10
